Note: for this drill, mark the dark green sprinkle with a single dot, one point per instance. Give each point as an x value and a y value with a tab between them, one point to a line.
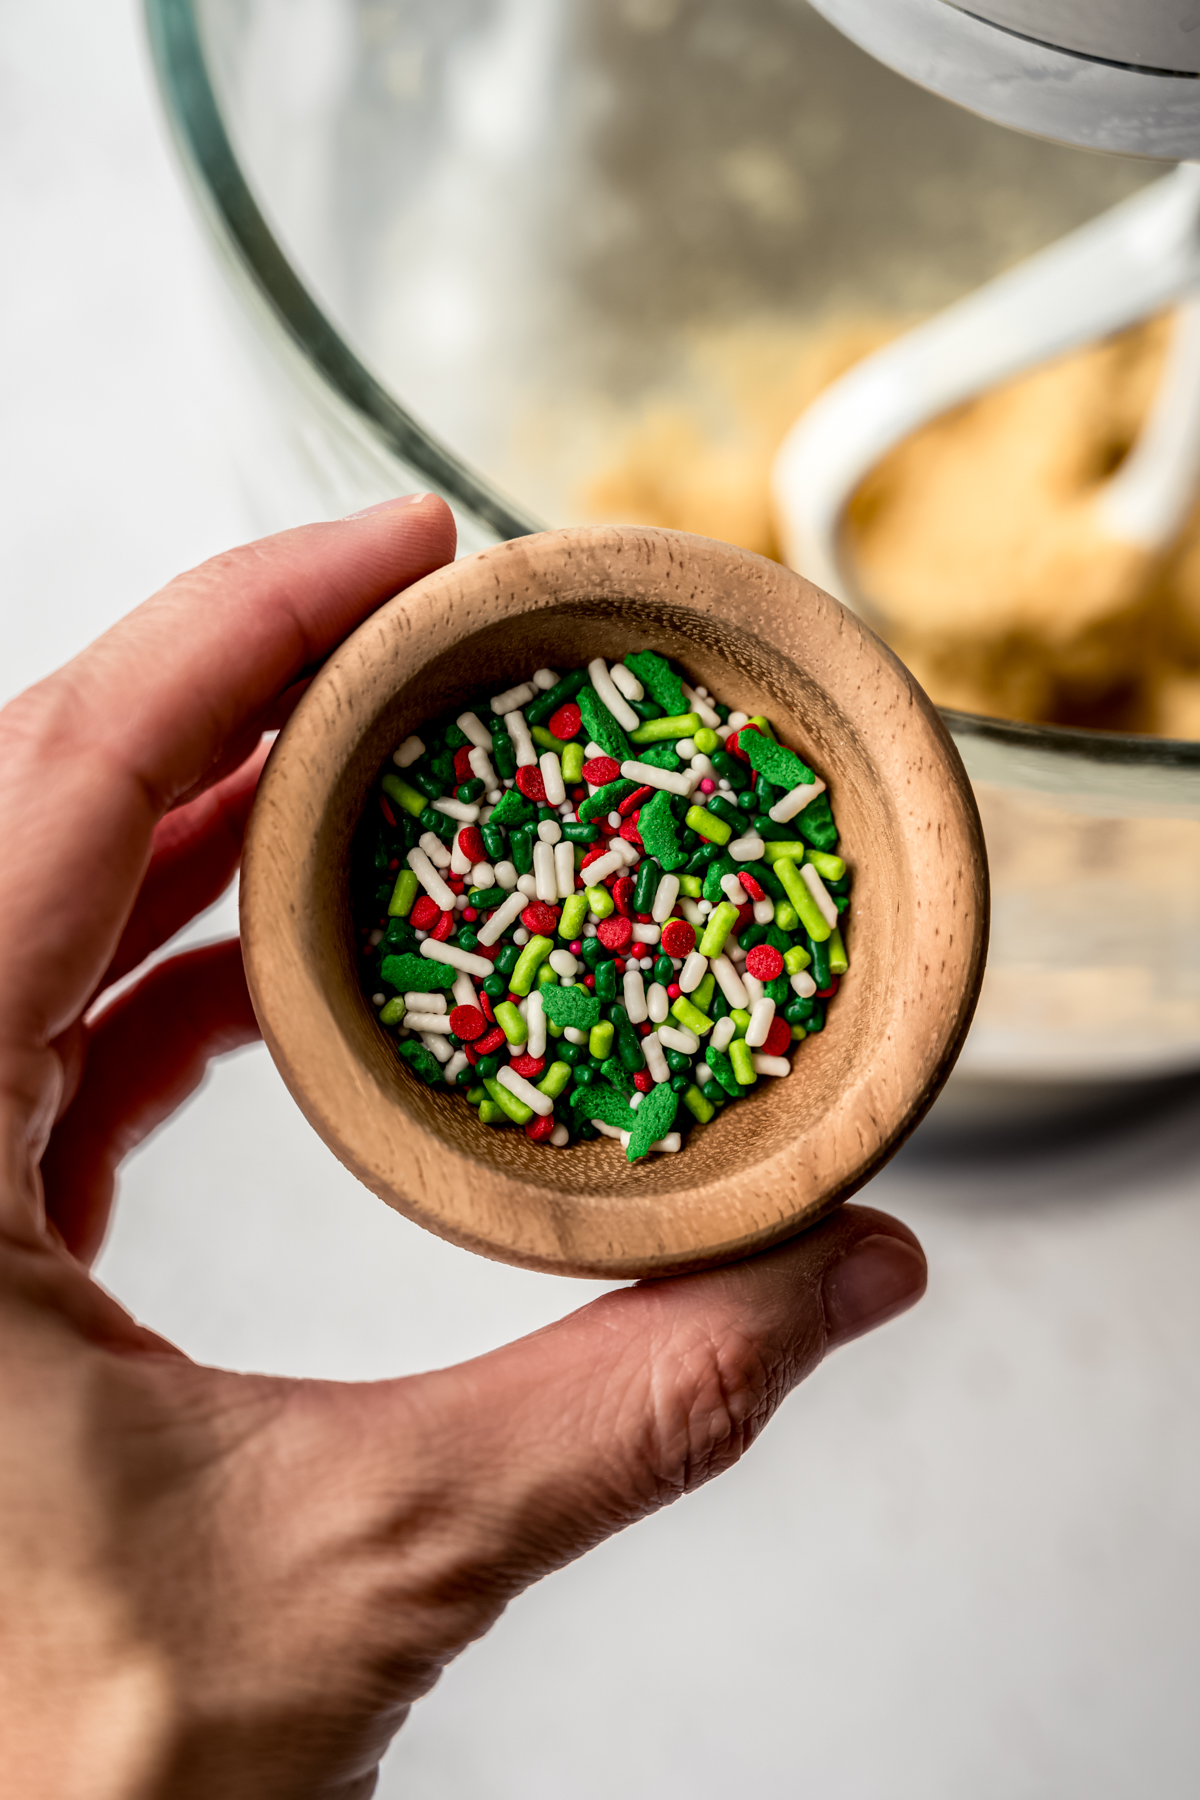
736	773
571	1006
579	834
513	809
659	678
465	1077
629	1045
469	791
456	739
507	960
584	1072
494	841
664	969
486	1067
422	1061
614	1070
427	784
467	938
820	962
523	840
645	885
593	952
606	980
648	709
410	974
653	1119
815	824
568	1052
681	1083
777	989
601	727
798	1011
722	1068
441	823
660	756
677	1061
544	706
399	934
604	800
722	808
747	803
495	987
482	898
504	757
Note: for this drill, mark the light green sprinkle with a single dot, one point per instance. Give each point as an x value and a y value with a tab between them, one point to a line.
491	1114
839	962
741	1056
691	886
690	1016
796	959
741	1019
403	895
655	731
774	848
600	901
545	738
721	921
829	868
509	1019
393	1012
811	916
556	1080
572	763
600	1039
697	1105
786	916
517	1111
707	825
528	963
403	795
574	912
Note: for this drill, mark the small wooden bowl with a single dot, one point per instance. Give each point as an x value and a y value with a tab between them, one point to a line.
761	639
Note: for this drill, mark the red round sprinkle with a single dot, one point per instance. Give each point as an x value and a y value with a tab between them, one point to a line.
673	990
678	937
643	918
708	786
513	999
619	964
528	1066
566	721
615	932
462	764
643	1081
529	780
444	928
779	1038
489	952
575	946
589	982
540	1127
539	918
425	913
468	1023
486	1046
622	893
395	863
598	771
470	914
764	962
455	883
645	1028
470	842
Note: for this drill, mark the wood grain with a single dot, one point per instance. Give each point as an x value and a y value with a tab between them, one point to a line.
760	638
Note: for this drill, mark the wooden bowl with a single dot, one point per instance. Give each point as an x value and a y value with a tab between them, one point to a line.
761	639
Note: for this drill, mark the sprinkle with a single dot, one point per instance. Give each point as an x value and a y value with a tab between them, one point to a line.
625	679
412	748
659	678
454	958
518	731
820	894
647	776
764	962
505	914
707	825
611	696
795	800
770	1065
653	1121
472	726
418	861
656	1060
531	783
602	726
762	1014
571	1006
552	779
520	695
693	972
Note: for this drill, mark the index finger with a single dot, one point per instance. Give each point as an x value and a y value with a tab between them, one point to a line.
152	712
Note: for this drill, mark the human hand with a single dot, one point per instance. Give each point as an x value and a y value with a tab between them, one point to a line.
220	1584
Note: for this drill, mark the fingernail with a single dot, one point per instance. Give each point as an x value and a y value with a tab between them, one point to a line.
880	1277
385	505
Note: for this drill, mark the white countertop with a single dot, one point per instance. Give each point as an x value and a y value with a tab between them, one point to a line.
965	1560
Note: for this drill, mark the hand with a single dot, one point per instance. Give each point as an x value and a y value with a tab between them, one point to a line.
216	1584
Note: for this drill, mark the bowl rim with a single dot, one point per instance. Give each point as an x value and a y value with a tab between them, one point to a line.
905	1006
249	247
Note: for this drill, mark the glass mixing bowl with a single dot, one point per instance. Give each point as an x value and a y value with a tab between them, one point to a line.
470	240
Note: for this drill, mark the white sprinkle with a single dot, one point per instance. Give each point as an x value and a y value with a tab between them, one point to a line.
679	781
419	1001
703	766
378	999
494	797
573	1034
544	679
689	910
795	800
482	770
483	875
513	697
736	720
560	1137
458	1062
535	1024
733	890
464	990
764	911
421	936
656	1060
466	812
770	1065
635	996
694	969
460	862
646	934
627	681
603	866
664	899
543	872
703	1073
615	820
564	964
747	849
723	1033
520	937
730	982
427	1021
754	987
667	1146
524	1090
437	1045
676	1038
494	928
658	1003
723	731
564	869
473	727
410	749
697	699
528	886
762	1017
549	831
724	786
608	692
820	894
705	908
375	938
803	984
454	958
591	751
552	776
430	880
626	851
610	1131
518	730
435	850
635	1100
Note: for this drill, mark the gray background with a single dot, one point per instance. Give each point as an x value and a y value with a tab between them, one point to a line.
964	1559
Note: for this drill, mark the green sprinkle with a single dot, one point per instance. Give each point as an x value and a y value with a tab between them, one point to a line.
600	1100
839	962
707	825
490	1113
774	849
600	1039
574	912
483	898
601	727
556	1079
509	1019
690	1016
403	795
629	1044
546	977
646	884
690	886
721	921
606	799
517	1111
528	963
579	834
652	1120
696	1104
476	1095
572	763
786	916
741	1058
513	809
661	756
811	916
706	741
829	868
569	1006
393	1011
522	842
741	1019
722	1068
659	679
422	1061
403	895
660	832
795	959
654	731
545	738
614	1070
701	995
600	901
778	765
544	706
410	974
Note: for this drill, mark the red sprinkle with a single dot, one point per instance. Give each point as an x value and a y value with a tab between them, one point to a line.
489	952
462	764
529	780
487	1046
631	834
528	1066
764	962
733	741
622	893
486	1008
425	913
678	937
643	1081
386	810
513	999
635	801
539	918
575	946
565	722
754	888
594	854
673	990
645	1028
468	1023
598	771
471	1054
615	932
443	929
779	1038
540	1127
589	982
395	863
824	993
745	915
470	914
470	842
